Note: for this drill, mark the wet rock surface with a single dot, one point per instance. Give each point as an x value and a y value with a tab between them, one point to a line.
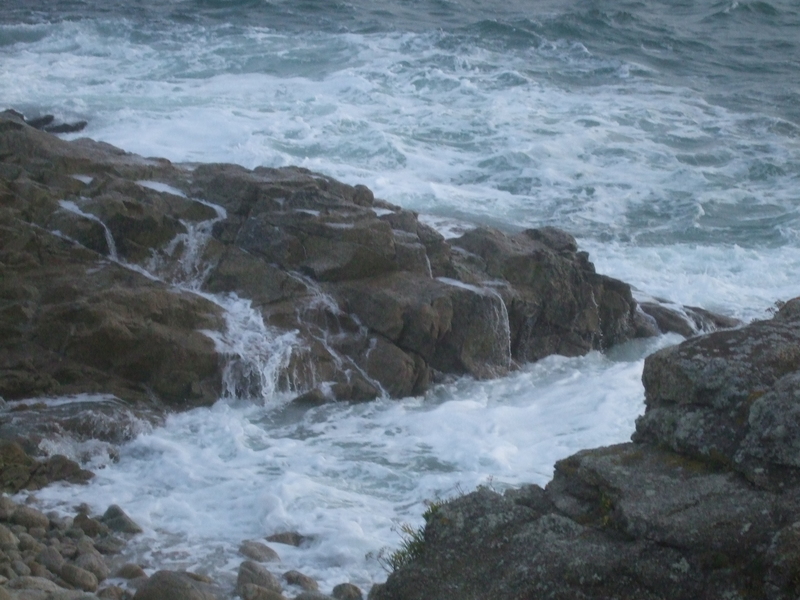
703	504
102	254
107	265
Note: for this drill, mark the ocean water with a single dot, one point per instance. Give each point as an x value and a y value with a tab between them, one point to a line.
664	136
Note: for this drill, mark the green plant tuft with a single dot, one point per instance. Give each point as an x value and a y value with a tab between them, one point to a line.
412	543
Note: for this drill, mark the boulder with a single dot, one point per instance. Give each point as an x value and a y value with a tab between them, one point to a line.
103	253
347	591
258	551
19	470
251	591
687	321
556	301
90	526
451	326
94	563
113	592
79	578
309	251
252	572
728	397
290	538
29	517
50	558
301	580
7	536
130	571
32	583
175	585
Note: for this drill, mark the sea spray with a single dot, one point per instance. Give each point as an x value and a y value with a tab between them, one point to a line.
182	262
345	475
325	321
72	207
258	356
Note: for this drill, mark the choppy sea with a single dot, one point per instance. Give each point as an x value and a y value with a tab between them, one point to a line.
664	135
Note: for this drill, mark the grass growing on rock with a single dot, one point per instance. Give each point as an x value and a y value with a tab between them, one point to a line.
412	544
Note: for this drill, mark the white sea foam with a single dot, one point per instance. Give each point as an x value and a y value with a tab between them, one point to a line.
441	132
345	475
740	282
72	207
161	187
257	355
448	227
86	179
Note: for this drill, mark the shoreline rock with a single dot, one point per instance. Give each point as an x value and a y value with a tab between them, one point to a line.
704	503
107	260
103	252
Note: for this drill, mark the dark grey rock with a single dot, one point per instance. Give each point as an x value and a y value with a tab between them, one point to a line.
51	559
290	538
94	563
130	571
380	302
728	397
28	517
251	591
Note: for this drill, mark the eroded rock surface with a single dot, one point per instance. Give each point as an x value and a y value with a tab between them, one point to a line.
103	253
705	503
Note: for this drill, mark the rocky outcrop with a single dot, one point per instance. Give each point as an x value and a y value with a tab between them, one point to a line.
704	503
108	261
73	323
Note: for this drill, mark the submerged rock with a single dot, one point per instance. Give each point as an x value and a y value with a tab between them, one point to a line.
703	504
290	538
